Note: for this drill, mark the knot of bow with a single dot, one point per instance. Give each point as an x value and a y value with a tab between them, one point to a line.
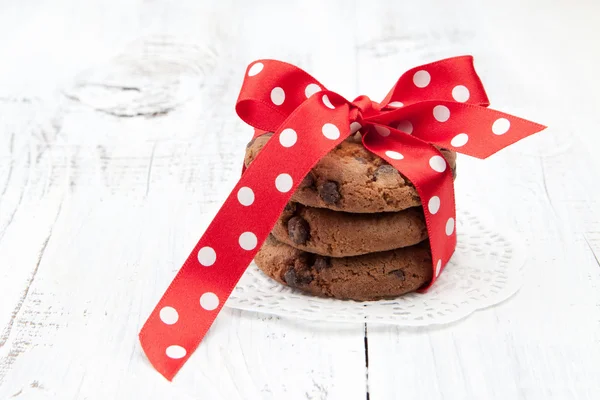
438	105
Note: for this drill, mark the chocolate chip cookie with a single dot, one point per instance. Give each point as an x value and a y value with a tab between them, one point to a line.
352	179
339	234
366	277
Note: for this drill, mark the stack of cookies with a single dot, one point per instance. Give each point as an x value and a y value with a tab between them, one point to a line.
355	228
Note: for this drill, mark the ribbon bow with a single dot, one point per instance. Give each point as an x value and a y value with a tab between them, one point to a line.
440	104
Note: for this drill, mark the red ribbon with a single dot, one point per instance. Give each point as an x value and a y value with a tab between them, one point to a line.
442	104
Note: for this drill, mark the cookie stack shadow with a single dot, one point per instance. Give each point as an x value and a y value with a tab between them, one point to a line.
355	229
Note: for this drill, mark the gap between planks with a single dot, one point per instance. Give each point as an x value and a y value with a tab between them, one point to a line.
367	361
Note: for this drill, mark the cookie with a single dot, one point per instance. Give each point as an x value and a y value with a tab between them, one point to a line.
352	179
368	277
339	234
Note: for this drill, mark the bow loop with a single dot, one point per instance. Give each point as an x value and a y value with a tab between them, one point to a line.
451	79
271	91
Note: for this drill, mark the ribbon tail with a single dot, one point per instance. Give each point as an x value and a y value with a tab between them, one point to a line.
431	175
193	300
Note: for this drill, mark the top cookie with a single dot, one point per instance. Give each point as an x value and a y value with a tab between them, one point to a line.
352	179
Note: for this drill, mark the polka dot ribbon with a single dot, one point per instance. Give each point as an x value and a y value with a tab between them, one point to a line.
438	105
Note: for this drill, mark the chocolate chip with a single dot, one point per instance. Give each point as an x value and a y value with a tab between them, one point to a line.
321	263
290	208
329	192
290	277
385	169
298	230
308	181
360	160
398	273
293	279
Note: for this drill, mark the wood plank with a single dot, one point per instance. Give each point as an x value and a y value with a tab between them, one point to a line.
143	142
543	343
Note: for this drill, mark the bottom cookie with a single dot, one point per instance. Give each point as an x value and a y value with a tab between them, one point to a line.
367	277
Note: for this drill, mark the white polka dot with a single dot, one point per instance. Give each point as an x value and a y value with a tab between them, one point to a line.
434	205
438	268
169	315
255	69
330	131
394	155
459	140
288	137
209	301
421	78
396	104
405	126
175	352
437	163
245	196
248	241
441	113
460	93
277	96
450	226
284	183
382	130
354	127
311	89
327	102
501	126
207	255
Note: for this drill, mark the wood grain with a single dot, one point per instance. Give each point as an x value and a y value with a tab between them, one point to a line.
117	131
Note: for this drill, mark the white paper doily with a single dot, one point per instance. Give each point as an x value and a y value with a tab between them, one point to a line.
486	269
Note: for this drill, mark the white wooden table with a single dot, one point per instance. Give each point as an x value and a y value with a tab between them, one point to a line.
117	128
